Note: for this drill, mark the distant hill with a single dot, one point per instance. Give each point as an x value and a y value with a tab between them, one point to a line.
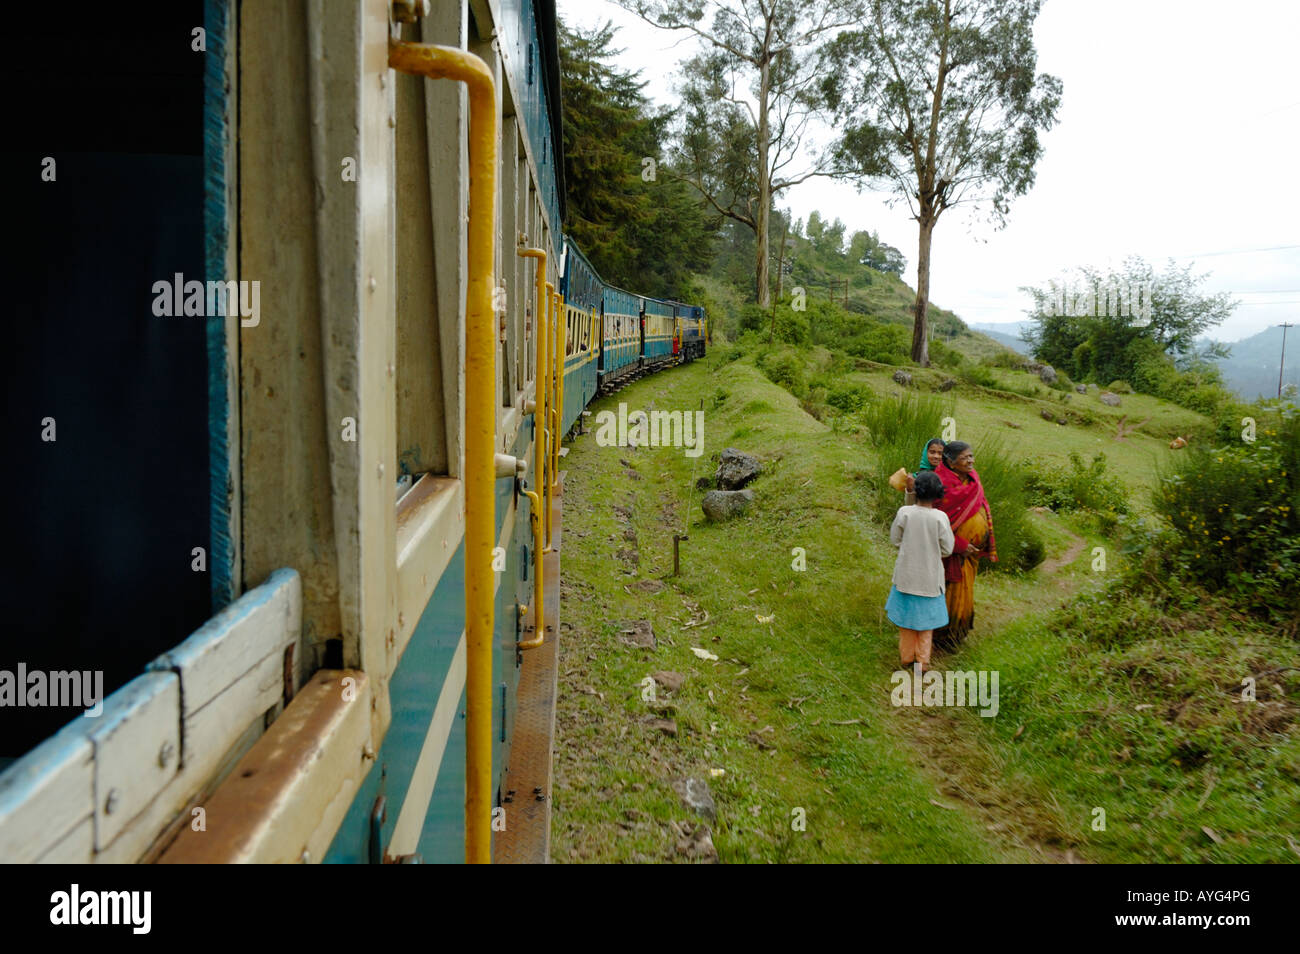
1252	368
1007	334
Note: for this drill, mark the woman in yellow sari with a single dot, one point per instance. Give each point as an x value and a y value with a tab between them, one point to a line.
972	525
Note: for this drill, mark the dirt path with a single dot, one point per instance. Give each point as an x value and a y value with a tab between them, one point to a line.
972	776
1069	556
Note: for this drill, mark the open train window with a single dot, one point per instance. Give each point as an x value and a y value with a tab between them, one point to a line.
108	558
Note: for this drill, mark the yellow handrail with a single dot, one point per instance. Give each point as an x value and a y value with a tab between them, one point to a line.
437	62
541	386
551	419
539	607
538	519
561	355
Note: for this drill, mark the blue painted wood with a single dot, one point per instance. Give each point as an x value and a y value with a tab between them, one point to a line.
216	23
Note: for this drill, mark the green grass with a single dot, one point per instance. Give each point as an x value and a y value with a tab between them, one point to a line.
890	785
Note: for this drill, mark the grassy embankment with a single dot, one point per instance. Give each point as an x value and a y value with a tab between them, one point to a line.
1120	708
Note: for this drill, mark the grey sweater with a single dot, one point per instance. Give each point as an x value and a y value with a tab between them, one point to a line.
923	537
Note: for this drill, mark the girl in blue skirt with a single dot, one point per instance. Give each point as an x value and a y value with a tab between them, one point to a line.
916	604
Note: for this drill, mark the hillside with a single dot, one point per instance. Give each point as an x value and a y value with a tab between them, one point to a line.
1252	368
1112	705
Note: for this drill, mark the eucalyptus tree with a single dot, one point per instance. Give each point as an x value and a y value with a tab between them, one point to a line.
748	100
939	102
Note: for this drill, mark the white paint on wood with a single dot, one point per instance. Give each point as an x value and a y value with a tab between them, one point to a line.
137	750
47	793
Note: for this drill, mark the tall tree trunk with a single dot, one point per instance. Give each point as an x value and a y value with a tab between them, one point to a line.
764	188
921	329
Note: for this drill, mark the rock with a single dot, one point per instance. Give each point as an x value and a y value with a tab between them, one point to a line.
666	726
736	469
719	505
695	795
672	681
625	462
948	384
902	377
1047	374
704	483
1081	388
1046	415
1110	400
1061	420
697	845
637	632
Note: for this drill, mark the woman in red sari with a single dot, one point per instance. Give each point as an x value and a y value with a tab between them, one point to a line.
972	525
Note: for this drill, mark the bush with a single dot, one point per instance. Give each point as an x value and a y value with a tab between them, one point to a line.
899	427
978	374
884	343
1234	512
1081	487
943	356
848	398
784	367
1119	387
1020	546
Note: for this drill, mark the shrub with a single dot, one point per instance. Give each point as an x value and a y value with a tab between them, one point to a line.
978	374
884	343
848	398
1120	387
899	427
1233	510
1080	487
784	367
944	356
1020	546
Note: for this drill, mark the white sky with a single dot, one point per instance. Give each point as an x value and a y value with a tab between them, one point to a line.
1178	136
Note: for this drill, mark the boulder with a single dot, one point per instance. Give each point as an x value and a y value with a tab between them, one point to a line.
672	681
1081	388
736	469
1047	374
902	377
719	505
637	632
948	384
1110	400
1046	415
695	795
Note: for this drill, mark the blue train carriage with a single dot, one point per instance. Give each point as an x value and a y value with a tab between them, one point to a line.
305	695
620	337
658	334
582	292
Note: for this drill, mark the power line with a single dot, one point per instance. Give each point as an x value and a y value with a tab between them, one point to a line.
1238	251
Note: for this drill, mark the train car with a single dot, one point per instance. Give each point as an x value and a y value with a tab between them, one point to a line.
582	297
690	332
310	546
323	370
620	337
657	333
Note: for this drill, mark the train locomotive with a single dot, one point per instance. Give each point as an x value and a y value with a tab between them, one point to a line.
350	420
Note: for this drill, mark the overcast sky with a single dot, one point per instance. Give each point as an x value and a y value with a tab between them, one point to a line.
1178	136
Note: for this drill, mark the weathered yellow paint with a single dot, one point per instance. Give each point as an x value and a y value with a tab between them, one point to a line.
437	62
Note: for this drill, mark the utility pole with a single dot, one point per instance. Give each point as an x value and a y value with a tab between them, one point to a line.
1282	363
